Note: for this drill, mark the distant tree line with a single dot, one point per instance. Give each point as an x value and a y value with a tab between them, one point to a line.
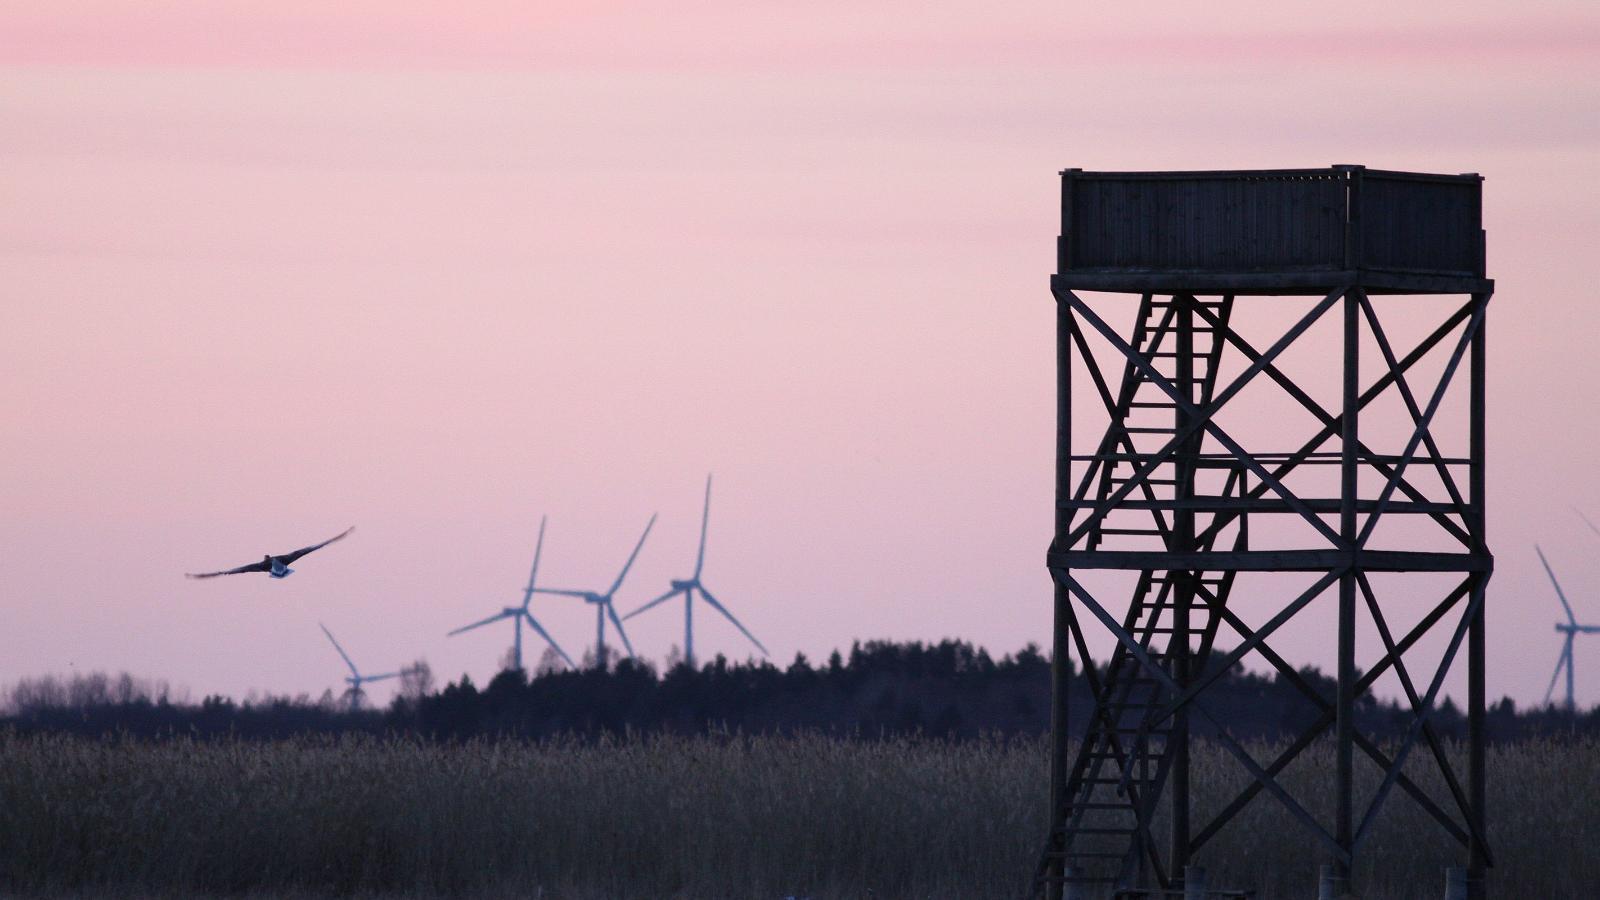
947	690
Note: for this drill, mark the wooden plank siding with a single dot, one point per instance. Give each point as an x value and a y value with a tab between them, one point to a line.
1415	225
1271	220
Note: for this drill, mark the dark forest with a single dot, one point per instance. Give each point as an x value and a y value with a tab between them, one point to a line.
948	690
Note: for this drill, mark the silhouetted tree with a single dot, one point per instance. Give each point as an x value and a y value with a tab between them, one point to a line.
950	689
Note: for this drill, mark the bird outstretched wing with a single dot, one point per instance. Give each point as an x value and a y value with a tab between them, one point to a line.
262	566
291	557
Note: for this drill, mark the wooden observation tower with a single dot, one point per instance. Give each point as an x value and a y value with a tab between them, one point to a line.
1267	444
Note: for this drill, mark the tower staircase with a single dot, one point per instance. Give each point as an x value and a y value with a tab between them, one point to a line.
1102	835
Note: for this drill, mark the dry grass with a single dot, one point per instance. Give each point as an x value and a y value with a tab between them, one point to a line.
670	817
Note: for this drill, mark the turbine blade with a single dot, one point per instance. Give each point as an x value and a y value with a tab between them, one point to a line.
729	616
345	656
1586	521
705	520
1559	594
1562	660
656	602
380	677
562	592
494	618
612	612
527	595
534	624
631	557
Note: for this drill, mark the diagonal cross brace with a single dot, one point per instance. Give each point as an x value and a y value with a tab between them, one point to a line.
1372	393
1252	641
1333	424
1327	718
1199	419
1435	745
1410	399
1421	718
1125	387
1410	453
1227	740
1115	435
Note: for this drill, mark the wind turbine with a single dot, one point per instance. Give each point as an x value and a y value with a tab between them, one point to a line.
1568	628
603	606
518	613
355	679
688	586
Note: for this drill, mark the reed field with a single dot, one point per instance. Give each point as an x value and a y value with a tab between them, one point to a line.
704	817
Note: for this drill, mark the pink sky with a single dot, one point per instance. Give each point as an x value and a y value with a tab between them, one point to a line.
268	274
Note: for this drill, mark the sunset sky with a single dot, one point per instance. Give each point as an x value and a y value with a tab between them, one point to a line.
270	270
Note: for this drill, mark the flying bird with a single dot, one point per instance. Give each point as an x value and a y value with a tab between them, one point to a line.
276	566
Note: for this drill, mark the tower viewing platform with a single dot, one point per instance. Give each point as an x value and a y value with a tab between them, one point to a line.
1272	231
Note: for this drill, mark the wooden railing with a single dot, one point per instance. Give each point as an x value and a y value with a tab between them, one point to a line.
1271	220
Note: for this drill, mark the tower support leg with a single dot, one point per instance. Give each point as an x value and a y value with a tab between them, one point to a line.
1344	704
1183	539
688	626
1061	638
1477	861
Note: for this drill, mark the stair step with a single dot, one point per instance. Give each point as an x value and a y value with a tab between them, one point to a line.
1107	754
1178	894
1143	704
1133	668
1127	807
1147	430
1128	759
1069	854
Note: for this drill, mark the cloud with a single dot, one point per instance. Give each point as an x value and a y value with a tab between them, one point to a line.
826	35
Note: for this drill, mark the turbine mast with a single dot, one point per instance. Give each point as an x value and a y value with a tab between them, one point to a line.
516	644
688	627
1572	704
